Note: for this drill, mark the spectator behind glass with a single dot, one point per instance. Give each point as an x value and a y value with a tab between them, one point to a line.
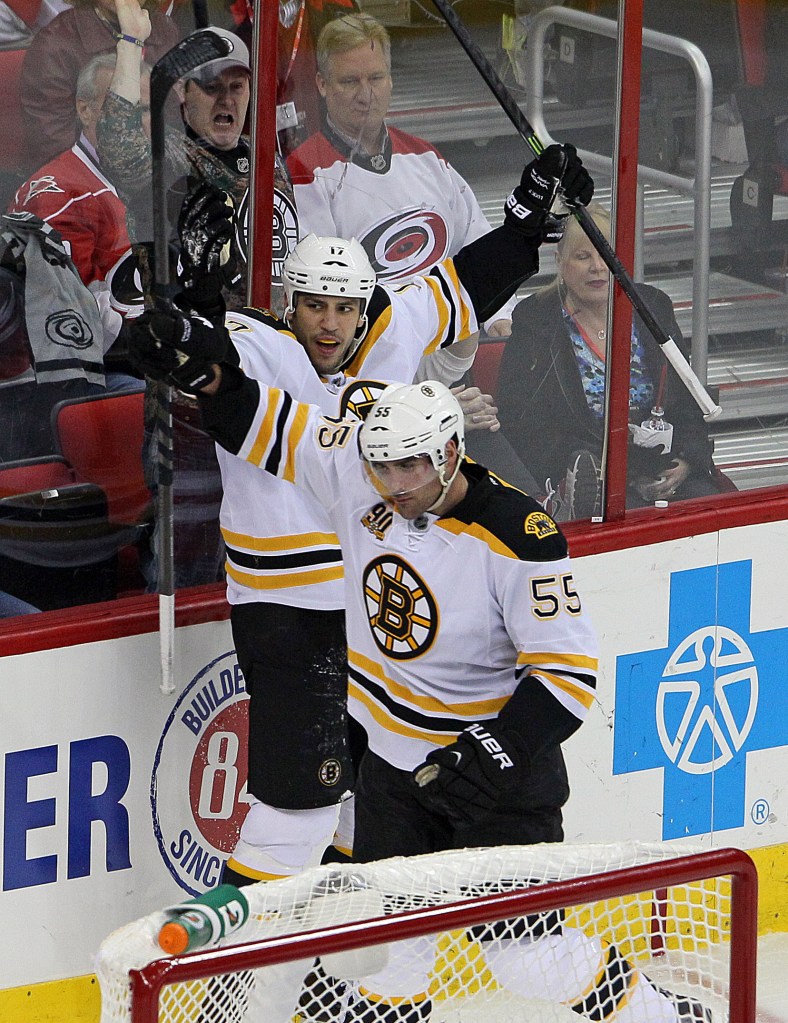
360	178
299	26
393	192
57	54
211	147
551	395
73	195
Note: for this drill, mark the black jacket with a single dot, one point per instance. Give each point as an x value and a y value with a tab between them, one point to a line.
541	402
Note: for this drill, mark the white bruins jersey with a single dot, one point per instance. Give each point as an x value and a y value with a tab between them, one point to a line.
281	547
446	617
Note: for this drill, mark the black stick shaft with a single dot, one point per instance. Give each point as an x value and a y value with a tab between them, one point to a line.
200	11
507	103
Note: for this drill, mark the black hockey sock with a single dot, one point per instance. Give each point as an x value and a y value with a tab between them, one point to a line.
230	876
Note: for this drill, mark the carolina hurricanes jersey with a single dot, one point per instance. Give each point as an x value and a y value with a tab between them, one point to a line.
281	546
445	615
408	207
72	195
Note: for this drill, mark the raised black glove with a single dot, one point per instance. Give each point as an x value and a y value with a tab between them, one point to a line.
166	345
558	166
207	261
464	780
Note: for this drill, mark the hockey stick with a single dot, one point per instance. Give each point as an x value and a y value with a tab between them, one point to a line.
200	12
187	55
670	349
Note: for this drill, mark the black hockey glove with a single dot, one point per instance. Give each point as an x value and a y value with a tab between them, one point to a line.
466	779
557	167
207	261
166	345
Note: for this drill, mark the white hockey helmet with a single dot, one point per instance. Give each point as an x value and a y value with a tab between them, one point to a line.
329	266
414	419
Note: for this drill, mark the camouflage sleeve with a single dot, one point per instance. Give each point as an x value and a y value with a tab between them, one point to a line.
124	147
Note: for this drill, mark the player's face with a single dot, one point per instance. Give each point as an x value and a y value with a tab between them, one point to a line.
325	326
357	90
411	485
216	111
585	275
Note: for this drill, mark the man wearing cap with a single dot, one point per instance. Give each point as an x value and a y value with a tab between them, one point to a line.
211	148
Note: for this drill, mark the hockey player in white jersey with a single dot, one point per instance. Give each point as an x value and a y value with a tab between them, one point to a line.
471	657
284	565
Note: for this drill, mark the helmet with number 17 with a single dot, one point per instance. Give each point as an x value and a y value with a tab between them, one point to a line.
329	266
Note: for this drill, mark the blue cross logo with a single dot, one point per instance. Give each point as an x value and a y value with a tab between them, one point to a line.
697	707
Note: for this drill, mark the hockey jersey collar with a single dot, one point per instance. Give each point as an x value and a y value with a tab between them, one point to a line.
378	163
478	494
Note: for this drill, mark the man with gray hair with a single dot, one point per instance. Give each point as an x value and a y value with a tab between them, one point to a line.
361	178
72	192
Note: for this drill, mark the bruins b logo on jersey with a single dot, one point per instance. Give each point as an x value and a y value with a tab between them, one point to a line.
403	615
358	398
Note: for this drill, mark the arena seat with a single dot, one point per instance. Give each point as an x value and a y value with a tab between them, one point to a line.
26	474
487	365
102	439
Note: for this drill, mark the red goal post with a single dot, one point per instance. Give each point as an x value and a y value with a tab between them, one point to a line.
717	887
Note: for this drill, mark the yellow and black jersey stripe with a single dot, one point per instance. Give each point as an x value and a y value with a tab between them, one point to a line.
272	563
398	709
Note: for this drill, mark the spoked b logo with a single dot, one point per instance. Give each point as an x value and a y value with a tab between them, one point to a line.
706	705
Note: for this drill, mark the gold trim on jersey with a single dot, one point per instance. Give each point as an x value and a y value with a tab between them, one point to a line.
382	322
474	529
472	710
443	315
392	724
325	547
294	435
575	690
265	432
450	270
280	582
280	543
570	660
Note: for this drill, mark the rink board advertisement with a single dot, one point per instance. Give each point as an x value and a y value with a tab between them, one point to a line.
118	800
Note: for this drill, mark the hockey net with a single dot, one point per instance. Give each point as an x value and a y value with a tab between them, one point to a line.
508	933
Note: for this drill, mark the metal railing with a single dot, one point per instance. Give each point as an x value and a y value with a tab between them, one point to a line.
699	186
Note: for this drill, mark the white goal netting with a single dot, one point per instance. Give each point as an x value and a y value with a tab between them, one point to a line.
652	955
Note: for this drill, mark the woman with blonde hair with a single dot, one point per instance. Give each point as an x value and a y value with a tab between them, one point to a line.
551	397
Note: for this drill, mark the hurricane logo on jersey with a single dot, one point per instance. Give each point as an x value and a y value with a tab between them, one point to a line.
406	244
125	286
403	615
358	398
700	731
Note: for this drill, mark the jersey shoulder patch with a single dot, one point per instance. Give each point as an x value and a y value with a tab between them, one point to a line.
522	525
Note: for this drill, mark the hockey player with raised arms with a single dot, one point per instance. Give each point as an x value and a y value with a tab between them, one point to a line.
341	339
471	657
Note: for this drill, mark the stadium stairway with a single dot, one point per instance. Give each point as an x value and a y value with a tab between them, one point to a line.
747	319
